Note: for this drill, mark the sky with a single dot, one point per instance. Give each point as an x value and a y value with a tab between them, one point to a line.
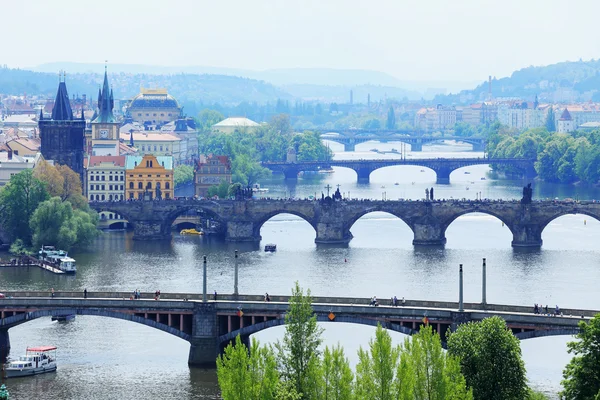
459	40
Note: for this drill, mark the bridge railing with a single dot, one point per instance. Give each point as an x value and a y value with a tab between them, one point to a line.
284	299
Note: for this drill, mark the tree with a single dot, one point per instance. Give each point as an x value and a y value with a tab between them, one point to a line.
582	374
335	375
18	201
51	177
490	359
298	354
207	118
281	124
72	189
54	222
436	375
247	171
391	119
183	174
247	374
221	190
550	121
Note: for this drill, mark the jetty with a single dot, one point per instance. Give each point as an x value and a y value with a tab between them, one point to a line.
28	261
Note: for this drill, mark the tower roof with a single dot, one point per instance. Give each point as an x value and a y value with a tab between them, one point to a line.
105	103
62	107
566	115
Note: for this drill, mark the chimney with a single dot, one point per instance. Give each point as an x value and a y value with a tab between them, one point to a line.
9	154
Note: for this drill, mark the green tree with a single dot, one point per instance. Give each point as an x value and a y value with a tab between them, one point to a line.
54	222
247	374
298	354
247	171
335	375
221	190
490	359
207	118
437	375
183	174
18	201
550	121
391	119
281	124
582	374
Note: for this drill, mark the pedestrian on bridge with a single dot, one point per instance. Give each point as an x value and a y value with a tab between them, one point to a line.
85	293
52	294
215	296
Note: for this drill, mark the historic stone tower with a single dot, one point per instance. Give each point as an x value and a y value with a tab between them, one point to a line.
105	128
63	135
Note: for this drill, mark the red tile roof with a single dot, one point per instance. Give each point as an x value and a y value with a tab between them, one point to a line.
118	161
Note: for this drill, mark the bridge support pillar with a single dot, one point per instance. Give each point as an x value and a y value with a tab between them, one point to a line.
241	231
526	236
442	176
479	147
203	346
416	146
290	173
349	146
428	234
328	233
4	345
151	230
363	174
459	318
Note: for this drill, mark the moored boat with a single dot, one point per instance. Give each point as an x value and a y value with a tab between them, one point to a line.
57	258
271	247
37	360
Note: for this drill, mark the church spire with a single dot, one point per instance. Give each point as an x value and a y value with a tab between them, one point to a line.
105	102
62	107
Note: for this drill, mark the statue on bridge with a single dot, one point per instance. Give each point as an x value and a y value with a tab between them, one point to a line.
431	194
527	194
158	193
426	194
337	195
243	193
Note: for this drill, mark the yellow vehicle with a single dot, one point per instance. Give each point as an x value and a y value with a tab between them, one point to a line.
190	232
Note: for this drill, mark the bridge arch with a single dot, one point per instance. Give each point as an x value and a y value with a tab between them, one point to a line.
351	221
18	319
479	210
259	224
546	332
252	329
562	213
111	207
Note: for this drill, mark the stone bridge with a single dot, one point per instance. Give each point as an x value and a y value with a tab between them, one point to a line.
351	137
333	220
210	325
443	167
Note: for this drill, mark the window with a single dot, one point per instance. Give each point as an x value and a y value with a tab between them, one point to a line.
139	114
167	175
110	178
143	148
158	185
131	176
92	178
154	147
162	114
130	185
166	195
102	177
122	198
102	197
158	175
121	178
140	185
169	114
135	164
149	185
131	195
149	175
167	185
147	115
161	148
154	115
110	199
91	197
109	187
102	189
121	187
139	176
166	148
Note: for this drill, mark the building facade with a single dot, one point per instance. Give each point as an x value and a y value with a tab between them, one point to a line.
105	178
210	171
158	144
232	124
149	177
62	136
153	106
565	123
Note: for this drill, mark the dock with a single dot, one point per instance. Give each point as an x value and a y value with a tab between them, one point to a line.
27	261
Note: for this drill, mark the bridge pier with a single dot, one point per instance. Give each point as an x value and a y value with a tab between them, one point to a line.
428	234
350	146
204	347
290	173
416	146
526	236
241	231
442	176
328	233
4	345
363	174
151	230
479	146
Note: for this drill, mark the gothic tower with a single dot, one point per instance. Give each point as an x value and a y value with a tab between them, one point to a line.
63	134
105	128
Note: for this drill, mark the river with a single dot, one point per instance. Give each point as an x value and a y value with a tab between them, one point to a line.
101	358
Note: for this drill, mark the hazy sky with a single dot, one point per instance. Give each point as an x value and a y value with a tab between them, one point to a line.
462	40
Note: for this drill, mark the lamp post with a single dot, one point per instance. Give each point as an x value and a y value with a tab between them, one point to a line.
235	276
460	289
204	280
483	284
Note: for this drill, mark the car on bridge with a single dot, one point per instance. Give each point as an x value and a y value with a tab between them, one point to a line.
2	296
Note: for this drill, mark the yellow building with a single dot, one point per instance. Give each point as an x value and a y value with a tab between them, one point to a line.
154	106
148	177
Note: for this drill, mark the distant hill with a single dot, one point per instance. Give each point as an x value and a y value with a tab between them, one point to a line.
562	82
192	90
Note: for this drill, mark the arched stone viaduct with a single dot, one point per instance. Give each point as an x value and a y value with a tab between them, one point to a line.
332	220
210	326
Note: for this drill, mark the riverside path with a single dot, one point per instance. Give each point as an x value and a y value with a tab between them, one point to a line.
210	325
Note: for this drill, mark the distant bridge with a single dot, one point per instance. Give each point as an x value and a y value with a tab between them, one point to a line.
442	166
351	137
209	326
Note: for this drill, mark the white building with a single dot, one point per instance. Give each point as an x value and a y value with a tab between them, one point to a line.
565	123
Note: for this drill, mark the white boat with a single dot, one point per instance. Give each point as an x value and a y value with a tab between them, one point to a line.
57	258
257	189
37	360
